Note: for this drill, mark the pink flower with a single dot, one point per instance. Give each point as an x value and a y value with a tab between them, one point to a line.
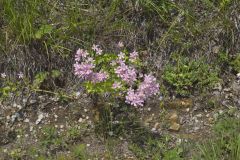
133	56
99	51
134	98
120	44
90	60
127	73
121	56
95	47
83	70
116	85
3	75
20	75
80	54
149	86
99	77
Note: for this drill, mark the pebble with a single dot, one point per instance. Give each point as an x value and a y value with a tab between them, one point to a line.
175	126
153	129
173	117
80	120
40	117
238	75
199	115
26	120
19	106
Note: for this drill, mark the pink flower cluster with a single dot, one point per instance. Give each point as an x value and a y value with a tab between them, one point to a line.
146	89
126	73
84	66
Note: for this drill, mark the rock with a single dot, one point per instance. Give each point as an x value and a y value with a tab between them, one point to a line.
174	127
40	117
227	89
238	75
26	120
173	118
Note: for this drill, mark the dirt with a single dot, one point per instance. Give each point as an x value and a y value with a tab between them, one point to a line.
21	124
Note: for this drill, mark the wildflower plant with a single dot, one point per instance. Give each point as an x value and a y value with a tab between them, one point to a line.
115	74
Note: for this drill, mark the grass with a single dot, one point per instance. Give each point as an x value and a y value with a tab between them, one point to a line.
225	143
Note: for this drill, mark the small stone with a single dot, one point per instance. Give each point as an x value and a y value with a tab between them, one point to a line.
40	117
238	75
175	126
173	117
199	115
87	117
80	120
14	105
85	110
88	145
26	120
153	129
227	89
196	128
33	101
149	109
220	111
61	126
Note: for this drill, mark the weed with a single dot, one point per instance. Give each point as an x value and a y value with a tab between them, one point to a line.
186	76
155	148
235	63
51	139
79	152
225	144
